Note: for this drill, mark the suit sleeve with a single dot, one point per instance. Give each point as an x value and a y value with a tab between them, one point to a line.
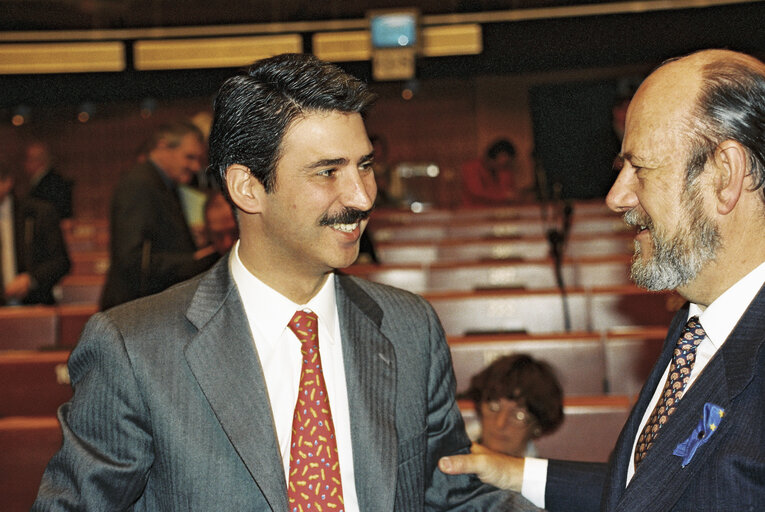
574	486
107	444
446	436
50	260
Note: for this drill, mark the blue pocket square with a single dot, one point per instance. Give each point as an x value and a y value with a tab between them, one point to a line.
713	415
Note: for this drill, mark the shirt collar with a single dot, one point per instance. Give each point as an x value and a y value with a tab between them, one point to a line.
721	316
271	311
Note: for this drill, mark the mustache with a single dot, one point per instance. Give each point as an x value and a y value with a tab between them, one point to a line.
346	216
635	218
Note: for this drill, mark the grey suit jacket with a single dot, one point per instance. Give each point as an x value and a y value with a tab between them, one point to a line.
170	410
725	473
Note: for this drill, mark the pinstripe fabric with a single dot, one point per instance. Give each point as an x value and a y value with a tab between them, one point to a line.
171	412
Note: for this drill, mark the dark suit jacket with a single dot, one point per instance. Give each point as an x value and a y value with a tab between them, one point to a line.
170	410
151	245
726	473
40	248
57	190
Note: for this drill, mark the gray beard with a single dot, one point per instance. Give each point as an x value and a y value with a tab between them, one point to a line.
678	260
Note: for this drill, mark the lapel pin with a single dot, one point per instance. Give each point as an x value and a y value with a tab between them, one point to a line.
713	415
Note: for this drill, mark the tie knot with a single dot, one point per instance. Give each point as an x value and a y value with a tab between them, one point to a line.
305	325
694	333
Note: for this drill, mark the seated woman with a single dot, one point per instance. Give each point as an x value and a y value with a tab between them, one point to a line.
517	399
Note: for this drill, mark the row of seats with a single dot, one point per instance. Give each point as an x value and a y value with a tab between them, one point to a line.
43	327
550	311
492	228
424	252
591	272
613	362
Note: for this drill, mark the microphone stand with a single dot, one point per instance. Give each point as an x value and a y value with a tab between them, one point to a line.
557	238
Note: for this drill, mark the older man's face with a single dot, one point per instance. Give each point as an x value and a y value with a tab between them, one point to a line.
676	236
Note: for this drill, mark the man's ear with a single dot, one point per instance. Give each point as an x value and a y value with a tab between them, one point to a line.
730	174
245	189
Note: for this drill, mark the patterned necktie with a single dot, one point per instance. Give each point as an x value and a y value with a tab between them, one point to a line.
314	479
683	359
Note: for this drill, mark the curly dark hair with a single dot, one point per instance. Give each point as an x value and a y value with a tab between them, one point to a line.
529	382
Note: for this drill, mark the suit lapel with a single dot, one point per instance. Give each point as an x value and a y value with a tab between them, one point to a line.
621	457
661	479
370	372
222	358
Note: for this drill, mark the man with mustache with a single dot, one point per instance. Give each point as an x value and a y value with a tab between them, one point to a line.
214	395
691	182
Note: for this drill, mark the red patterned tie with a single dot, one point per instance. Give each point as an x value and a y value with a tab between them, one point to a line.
314	480
683	359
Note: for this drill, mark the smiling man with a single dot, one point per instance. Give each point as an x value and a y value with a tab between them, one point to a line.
271	382
691	182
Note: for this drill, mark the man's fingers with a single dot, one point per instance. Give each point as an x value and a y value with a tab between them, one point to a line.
457	464
492	468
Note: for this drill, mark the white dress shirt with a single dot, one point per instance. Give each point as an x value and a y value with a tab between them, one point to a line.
718	320
278	349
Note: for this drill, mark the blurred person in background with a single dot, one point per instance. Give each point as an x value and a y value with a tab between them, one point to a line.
491	180
45	182
517	399
151	245
33	256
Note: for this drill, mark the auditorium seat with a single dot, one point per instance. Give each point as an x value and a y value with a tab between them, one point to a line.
508	311
590	429
630	306
481	249
577	358
74	289
589	272
26	446
33	383
71	320
28	327
630	353
542	311
457	228
413	278
89	262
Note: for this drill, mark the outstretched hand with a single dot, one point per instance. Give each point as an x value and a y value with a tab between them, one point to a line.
498	469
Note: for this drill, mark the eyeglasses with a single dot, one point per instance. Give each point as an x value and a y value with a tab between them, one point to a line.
515	412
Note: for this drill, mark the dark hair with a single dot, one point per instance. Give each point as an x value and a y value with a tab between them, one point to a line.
730	105
253	110
529	382
172	134
500	146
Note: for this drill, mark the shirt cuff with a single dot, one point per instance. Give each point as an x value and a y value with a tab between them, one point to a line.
534	480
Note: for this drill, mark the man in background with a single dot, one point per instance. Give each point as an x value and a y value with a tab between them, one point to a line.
691	183
45	182
151	245
33	256
221	229
491	180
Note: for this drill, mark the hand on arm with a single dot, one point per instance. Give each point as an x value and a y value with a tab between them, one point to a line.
491	467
